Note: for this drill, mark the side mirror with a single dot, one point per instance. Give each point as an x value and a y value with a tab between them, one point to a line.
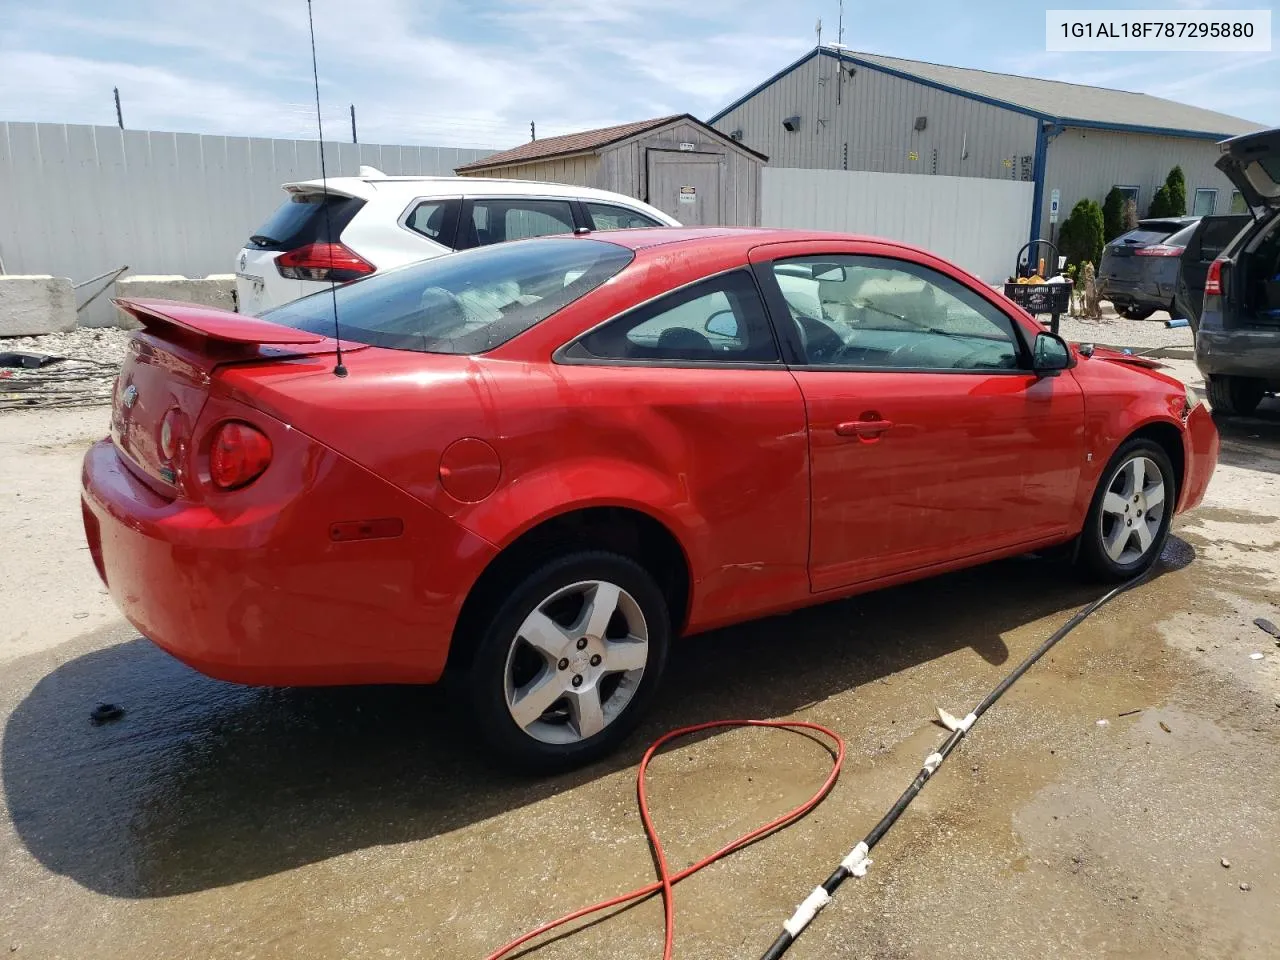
723	324
1050	352
831	272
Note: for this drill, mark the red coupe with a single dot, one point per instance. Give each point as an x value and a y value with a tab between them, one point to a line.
539	462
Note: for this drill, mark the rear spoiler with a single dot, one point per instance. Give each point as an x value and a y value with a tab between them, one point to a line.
211	323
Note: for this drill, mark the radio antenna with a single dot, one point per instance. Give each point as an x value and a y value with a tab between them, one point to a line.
339	368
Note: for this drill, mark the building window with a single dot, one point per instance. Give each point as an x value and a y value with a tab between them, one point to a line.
1237	203
1130	193
1206	198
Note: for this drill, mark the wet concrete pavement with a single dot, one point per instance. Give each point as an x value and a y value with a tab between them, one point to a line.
219	821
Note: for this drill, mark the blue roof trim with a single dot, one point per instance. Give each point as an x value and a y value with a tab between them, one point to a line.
970	95
752	92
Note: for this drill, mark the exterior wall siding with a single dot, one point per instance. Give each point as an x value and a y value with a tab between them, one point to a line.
623	168
77	201
976	223
1085	164
870	125
581	171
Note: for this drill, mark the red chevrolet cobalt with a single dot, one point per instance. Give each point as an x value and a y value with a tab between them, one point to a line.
548	458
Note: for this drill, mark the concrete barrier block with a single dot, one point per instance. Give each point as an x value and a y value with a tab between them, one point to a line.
215	290
35	305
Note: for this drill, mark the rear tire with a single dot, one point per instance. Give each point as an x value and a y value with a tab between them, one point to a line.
570	662
1128	520
1235	396
1136	313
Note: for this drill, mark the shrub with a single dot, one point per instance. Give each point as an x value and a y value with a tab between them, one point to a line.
1171	199
1177	185
1113	214
1081	238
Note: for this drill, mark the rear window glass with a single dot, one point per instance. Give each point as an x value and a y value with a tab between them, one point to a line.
301	220
463	303
1142	237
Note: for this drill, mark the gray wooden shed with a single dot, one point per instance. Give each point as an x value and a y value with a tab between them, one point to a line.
678	164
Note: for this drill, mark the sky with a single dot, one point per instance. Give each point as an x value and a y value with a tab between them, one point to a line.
474	74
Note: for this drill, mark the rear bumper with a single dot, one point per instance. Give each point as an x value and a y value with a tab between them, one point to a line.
1200	455
1125	293
253	589
1239	353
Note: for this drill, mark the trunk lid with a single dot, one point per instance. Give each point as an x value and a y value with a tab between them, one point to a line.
167	375
1252	163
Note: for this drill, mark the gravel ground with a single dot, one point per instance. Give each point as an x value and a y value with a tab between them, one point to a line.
93	358
1115	331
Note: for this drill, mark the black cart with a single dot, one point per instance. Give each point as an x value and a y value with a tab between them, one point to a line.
1039	298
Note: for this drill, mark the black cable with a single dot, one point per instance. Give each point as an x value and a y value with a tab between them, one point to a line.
339	368
856	863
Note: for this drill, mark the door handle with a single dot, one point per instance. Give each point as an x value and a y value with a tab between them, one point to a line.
869	429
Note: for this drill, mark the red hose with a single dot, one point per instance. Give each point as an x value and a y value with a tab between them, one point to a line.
666	879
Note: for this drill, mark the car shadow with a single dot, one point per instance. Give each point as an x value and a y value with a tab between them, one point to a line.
203	784
1252	442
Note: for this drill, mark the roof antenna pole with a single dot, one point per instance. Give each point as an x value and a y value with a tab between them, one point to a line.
339	369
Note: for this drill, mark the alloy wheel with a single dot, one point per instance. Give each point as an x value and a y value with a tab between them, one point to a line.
576	662
1132	510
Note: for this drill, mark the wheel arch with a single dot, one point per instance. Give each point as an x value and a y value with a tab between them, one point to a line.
1167	436
622	528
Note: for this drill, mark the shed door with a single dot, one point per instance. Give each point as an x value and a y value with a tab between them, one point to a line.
686	186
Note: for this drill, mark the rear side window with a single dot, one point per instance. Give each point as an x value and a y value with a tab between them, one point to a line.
306	218
499	220
607	216
1218	234
721	319
465	303
435	219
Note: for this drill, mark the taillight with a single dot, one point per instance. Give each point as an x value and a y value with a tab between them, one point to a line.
238	455
1159	250
1213	281
323	261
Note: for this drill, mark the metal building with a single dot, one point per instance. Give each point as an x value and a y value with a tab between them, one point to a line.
677	164
836	109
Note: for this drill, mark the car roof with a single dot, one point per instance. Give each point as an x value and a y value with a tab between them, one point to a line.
747	237
368	187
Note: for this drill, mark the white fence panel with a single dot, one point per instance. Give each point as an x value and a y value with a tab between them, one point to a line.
976	223
77	201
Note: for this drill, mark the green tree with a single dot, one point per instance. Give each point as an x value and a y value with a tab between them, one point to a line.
1171	199
1161	205
1081	238
1177	185
1113	214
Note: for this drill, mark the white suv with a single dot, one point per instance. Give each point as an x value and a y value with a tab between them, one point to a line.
374	222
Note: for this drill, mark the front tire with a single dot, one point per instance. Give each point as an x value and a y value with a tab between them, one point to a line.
1235	396
1128	520
570	662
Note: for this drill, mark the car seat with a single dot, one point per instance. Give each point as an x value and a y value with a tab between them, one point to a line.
681	343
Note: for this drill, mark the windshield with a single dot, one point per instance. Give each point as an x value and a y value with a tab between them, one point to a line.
461	303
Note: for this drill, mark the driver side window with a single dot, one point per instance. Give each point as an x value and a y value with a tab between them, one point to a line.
876	312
